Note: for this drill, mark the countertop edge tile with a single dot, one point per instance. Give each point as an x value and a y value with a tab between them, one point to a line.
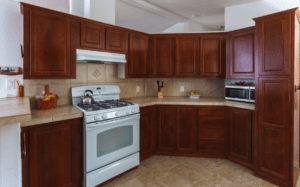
15	119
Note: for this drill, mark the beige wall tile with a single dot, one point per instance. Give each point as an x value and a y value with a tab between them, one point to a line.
128	89
187	87
111	73
37	81
81	74
96	73
150	88
170	88
33	90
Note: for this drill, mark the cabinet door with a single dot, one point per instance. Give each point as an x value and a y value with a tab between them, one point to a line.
242	54
138	56
187	57
166	128
274	120
92	35
54	155
116	39
163	57
186	128
147	132
47	46
274	45
212	61
240	134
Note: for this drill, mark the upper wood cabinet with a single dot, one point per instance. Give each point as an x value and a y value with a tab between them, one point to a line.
186	129
274	45
240	135
163	59
53	154
148	136
187	56
212	62
92	35
138	65
46	45
242	57
116	39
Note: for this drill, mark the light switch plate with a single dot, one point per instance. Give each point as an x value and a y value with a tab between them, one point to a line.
137	89
10	84
182	88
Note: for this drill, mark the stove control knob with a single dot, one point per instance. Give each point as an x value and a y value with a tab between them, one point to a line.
117	114
132	111
104	116
98	117
128	112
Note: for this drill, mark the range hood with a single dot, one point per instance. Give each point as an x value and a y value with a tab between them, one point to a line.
87	56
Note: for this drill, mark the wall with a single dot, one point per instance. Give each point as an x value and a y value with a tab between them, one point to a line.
10	156
241	16
186	27
91	74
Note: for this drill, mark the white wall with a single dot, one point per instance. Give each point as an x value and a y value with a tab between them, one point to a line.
241	16
103	11
10	156
186	27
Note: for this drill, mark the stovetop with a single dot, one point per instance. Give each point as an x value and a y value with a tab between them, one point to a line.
104	105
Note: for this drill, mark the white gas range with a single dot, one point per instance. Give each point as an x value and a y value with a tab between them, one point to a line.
110	131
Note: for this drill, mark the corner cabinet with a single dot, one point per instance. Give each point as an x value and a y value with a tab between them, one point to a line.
52	154
240	136
212	61
46	45
148	135
241	53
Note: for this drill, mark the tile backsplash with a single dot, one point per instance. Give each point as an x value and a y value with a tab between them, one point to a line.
91	74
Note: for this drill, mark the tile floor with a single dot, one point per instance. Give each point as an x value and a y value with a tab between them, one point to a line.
166	171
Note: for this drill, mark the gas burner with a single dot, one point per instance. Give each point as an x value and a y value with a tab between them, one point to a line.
107	104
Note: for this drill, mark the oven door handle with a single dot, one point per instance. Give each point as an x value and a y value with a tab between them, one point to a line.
110	122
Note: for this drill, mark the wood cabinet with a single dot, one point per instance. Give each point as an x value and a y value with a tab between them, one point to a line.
148	135
163	59
187	56
116	39
212	61
240	136
46	45
274	45
139	66
166	128
186	129
177	128
52	154
212	130
242	56
92	35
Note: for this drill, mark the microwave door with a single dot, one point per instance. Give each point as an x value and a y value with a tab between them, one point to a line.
237	94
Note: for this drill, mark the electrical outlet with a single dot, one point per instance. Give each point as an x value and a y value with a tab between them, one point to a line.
137	89
10	84
182	88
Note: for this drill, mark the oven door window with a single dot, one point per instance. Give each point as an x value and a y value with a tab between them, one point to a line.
114	139
237	93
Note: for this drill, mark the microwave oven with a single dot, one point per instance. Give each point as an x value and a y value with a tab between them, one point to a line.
240	93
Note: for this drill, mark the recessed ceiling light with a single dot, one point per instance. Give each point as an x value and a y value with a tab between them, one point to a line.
194	15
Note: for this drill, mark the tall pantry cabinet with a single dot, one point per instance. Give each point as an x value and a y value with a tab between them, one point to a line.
277	103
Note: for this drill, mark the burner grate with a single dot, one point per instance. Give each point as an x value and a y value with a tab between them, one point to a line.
102	105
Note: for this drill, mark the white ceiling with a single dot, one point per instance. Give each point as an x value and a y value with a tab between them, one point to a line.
210	13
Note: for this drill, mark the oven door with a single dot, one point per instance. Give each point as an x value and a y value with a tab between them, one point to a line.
111	140
237	94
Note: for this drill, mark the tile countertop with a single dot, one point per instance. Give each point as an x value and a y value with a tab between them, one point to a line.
60	113
148	101
14	110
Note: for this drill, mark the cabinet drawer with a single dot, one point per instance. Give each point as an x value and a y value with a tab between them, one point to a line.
211	134
211	122
211	111
208	146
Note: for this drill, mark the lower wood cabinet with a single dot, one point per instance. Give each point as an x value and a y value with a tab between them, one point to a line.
52	154
148	135
177	129
240	147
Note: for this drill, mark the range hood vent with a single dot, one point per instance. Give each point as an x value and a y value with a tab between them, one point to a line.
87	56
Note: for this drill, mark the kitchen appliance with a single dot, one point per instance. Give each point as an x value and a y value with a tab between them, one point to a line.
111	133
240	93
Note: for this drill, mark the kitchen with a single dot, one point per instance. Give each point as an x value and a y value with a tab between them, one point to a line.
211	137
